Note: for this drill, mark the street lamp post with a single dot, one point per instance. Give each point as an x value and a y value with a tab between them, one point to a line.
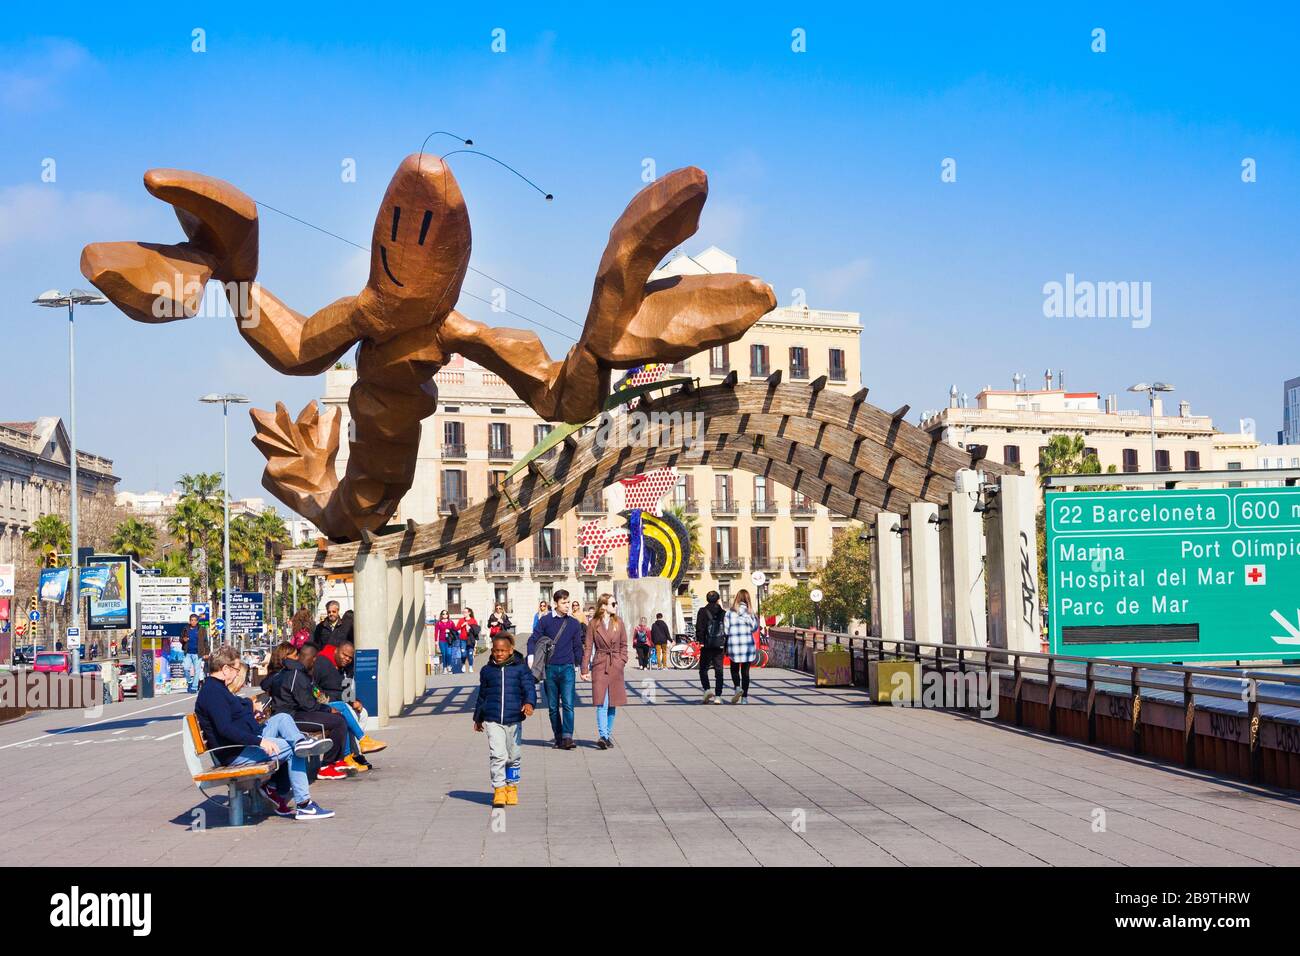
54	299
1151	394
225	400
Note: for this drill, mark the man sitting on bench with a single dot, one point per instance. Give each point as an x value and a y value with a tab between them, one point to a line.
226	719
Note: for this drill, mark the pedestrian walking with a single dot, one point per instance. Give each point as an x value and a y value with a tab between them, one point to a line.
661	635
194	644
742	648
711	633
641	641
543	609
507	695
604	659
499	621
444	633
555	649
469	630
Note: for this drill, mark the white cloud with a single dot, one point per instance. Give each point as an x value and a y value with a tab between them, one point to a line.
42	213
32	81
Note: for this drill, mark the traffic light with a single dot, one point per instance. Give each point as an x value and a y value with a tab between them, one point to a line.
32	604
52	560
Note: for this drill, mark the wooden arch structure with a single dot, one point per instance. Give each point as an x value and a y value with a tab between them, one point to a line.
836	449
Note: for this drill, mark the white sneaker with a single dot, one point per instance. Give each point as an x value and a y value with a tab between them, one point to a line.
717	700
736	698
708	696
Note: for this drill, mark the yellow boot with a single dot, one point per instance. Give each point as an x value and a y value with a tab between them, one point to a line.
355	764
512	794
500	797
369	745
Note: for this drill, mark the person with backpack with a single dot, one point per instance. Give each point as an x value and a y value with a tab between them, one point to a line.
660	634
469	630
641	641
555	651
711	632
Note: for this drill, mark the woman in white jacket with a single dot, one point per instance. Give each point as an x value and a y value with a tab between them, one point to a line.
741	646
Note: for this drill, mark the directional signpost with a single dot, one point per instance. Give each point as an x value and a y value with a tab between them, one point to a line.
1190	575
246	615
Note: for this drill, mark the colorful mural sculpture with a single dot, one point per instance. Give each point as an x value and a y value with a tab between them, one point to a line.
405	323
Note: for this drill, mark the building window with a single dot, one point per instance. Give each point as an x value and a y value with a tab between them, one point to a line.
798	361
453	599
1011	455
1089	453
758	548
799	560
1162	459
589	596
760	492
1191	461
548	544
501	595
452	489
722	491
499	440
719	361
724	544
546	589
758	364
838	370
1130	460
453	439
495	480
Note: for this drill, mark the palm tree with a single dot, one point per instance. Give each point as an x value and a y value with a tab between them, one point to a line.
48	533
692	523
204	485
136	538
1066	455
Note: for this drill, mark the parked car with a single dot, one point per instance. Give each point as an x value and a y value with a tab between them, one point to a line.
129	677
53	662
88	667
22	659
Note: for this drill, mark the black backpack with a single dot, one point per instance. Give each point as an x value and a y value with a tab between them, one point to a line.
716	639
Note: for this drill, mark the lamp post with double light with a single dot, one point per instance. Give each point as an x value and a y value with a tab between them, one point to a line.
1151	394
225	400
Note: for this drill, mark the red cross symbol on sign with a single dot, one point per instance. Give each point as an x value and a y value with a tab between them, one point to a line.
1254	574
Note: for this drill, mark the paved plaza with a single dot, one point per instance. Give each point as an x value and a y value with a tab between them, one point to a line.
800	776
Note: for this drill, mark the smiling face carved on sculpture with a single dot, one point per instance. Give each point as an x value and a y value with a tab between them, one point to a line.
419	250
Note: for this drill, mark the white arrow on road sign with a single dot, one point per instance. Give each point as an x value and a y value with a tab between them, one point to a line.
33	616
1291	629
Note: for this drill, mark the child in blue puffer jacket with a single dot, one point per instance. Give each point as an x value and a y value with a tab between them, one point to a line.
507	695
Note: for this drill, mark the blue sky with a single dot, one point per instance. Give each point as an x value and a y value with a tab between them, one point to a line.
824	175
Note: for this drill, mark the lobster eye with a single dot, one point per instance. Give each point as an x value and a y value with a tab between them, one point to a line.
397	215
424	226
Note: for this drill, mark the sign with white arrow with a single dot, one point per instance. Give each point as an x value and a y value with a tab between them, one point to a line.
1292	629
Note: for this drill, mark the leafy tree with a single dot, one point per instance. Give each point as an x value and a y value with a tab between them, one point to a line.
845	580
794	602
48	533
136	538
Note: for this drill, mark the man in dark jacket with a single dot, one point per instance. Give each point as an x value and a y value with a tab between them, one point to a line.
194	644
507	695
659	632
227	723
556	645
711	634
332	629
292	692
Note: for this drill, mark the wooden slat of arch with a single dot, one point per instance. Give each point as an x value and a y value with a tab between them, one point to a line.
848	455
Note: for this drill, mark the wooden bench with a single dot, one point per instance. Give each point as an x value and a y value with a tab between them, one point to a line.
239	781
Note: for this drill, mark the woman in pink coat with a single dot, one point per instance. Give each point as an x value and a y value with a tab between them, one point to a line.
604	657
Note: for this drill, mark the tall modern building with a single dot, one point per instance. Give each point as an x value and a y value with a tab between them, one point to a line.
1290	413
745	523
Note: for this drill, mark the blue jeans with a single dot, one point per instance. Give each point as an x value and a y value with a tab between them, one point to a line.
193	665
560	682
605	717
285	733
350	715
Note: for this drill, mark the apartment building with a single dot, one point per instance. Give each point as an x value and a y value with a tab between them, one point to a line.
746	523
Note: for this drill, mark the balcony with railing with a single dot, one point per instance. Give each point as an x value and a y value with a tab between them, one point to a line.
764	562
695	566
725	508
550	567
806	565
503	567
462	573
727	565
688	505
799	371
453	449
838	373
592	505
447	506
763	509
502	452
802	508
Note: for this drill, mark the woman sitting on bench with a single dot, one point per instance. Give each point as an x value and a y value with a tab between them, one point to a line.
293	692
228	720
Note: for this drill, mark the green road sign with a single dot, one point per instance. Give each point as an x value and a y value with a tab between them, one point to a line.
1175	575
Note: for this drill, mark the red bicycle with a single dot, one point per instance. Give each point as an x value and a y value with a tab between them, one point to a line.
685	654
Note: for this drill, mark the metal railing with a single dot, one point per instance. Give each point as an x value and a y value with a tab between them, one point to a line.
448	506
594	505
453	449
550	565
501	452
728	507
1169	684
763	509
727	564
798	508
